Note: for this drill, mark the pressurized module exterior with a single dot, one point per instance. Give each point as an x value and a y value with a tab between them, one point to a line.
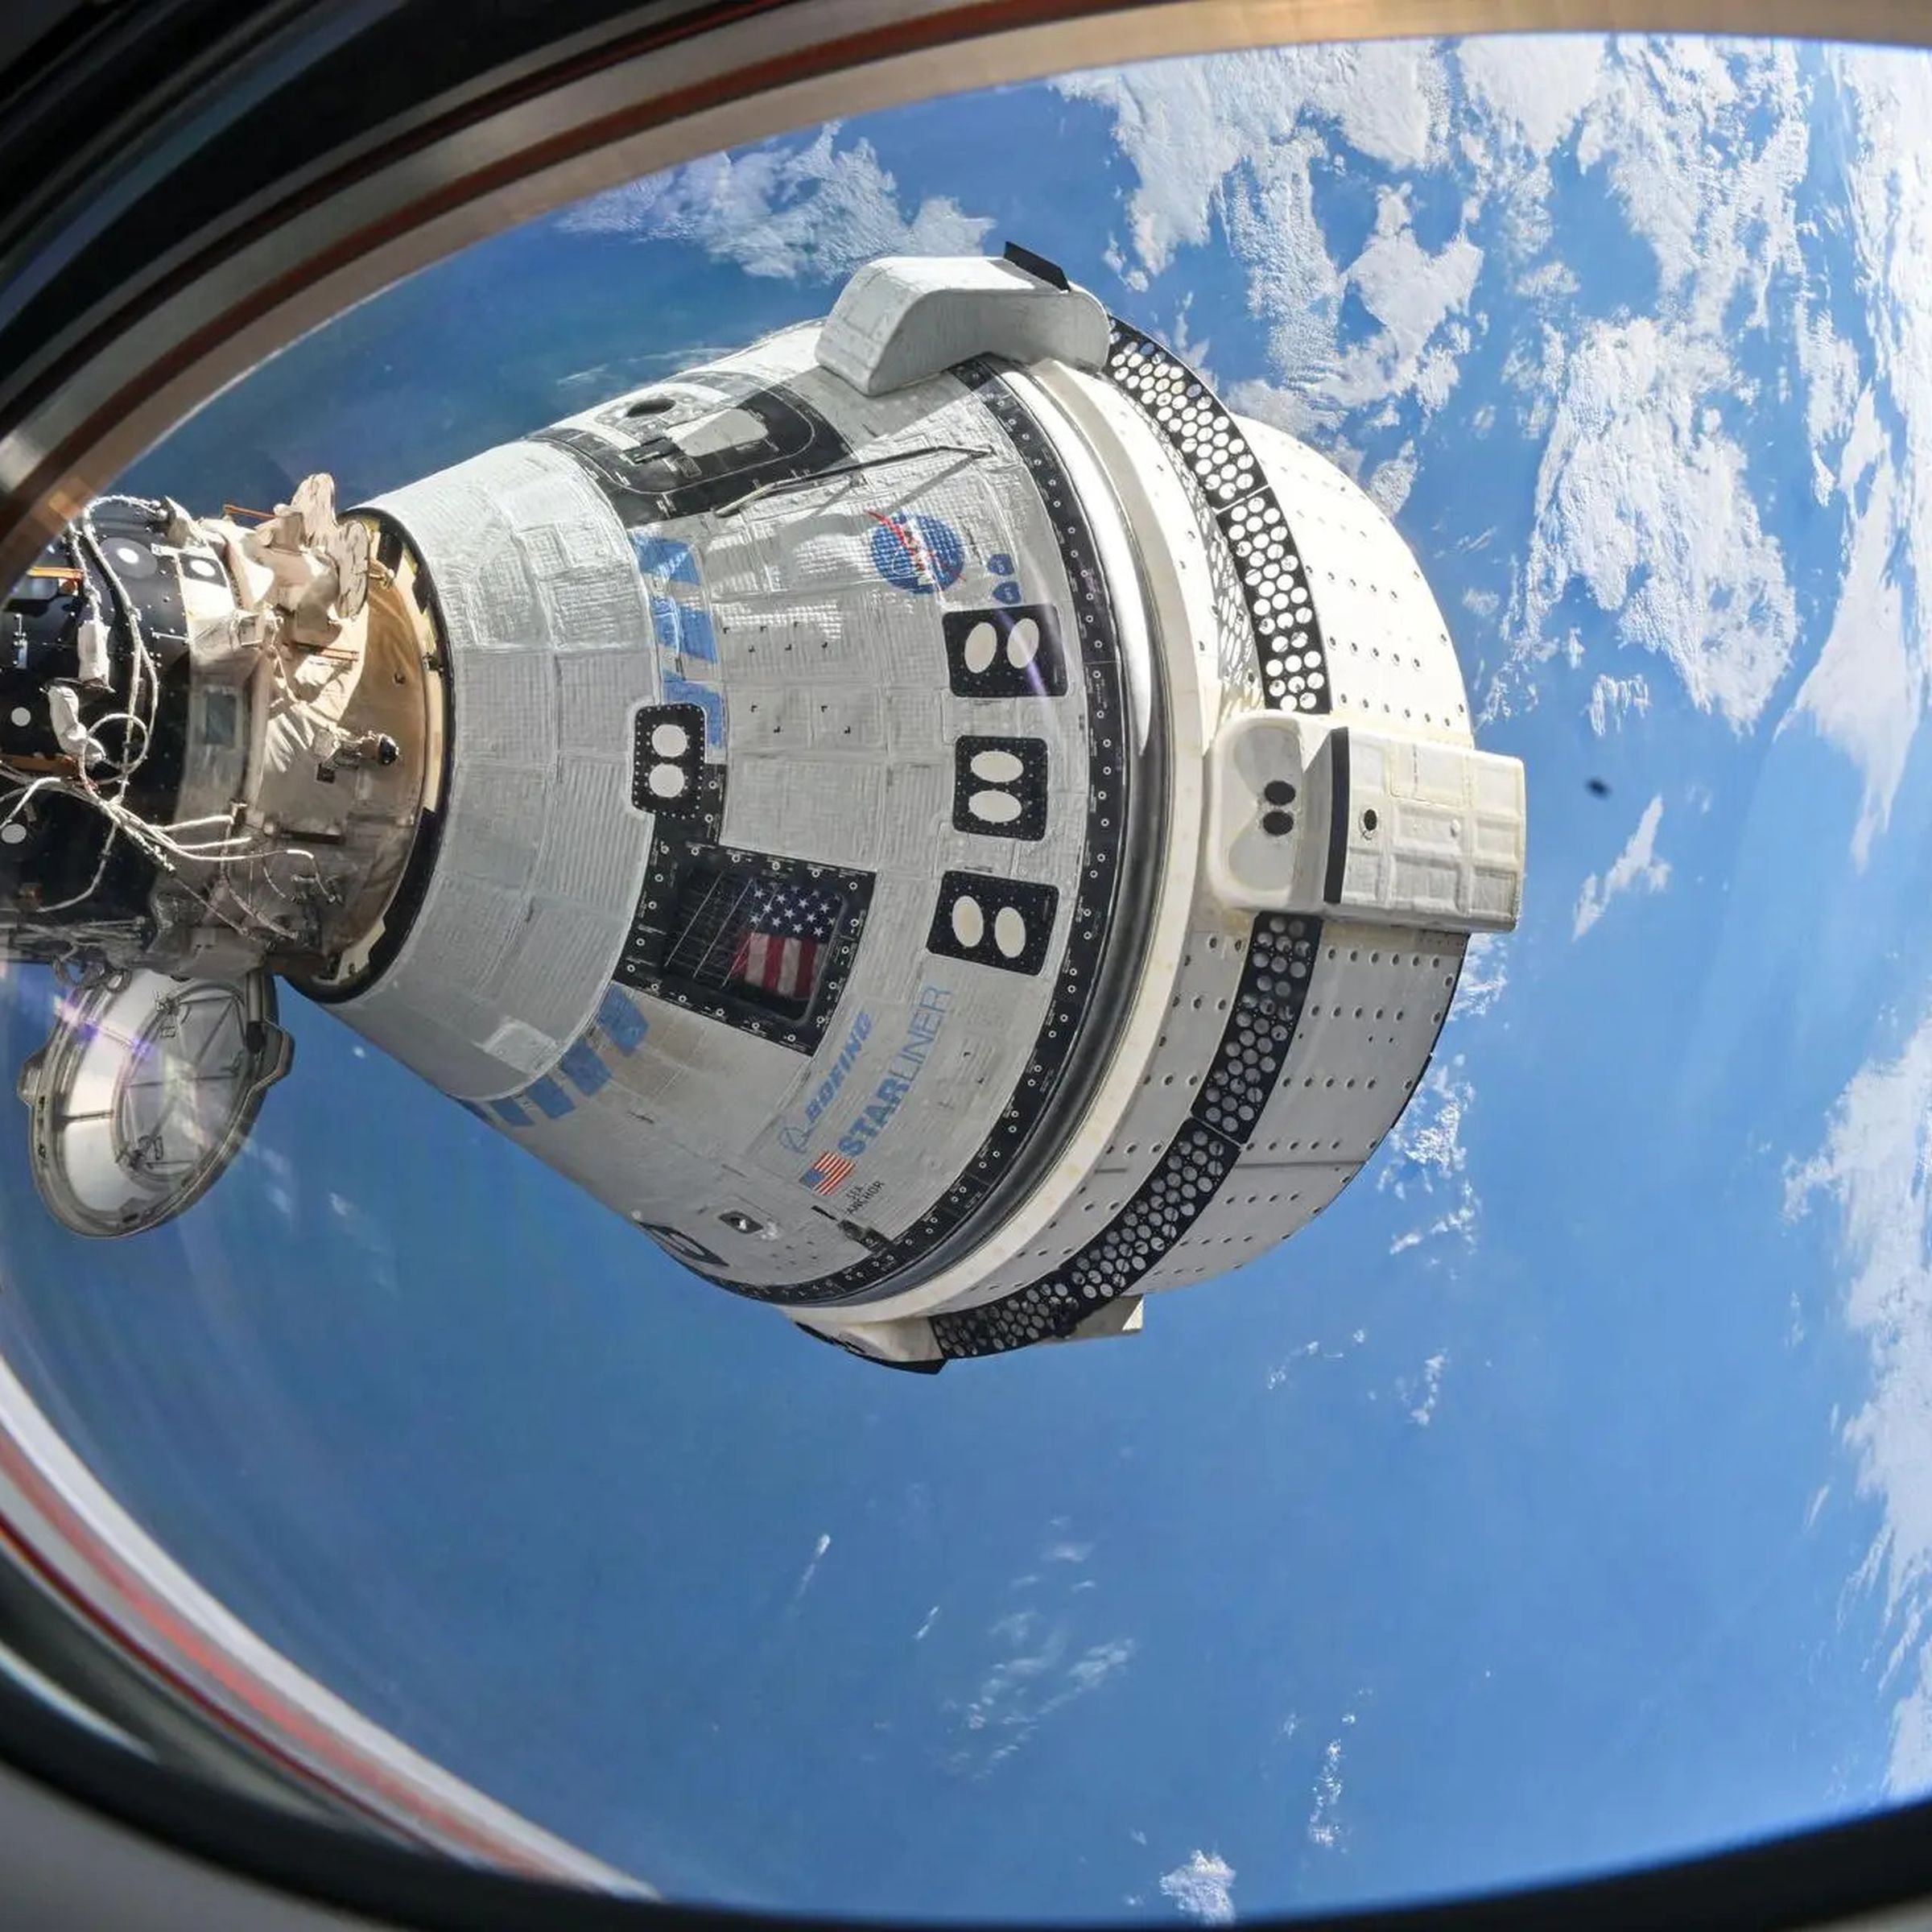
936	820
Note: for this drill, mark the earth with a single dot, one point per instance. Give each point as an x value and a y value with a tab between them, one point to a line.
1561	1500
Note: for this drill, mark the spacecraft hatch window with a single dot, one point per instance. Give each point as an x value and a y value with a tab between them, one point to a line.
766	941
756	941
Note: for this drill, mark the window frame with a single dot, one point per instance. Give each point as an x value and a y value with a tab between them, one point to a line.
649	964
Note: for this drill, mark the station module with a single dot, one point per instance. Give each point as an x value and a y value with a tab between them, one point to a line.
940	823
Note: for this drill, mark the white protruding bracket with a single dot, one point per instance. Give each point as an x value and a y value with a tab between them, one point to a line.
908	317
1305	814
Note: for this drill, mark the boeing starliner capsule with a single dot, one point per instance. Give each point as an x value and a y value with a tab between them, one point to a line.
940	823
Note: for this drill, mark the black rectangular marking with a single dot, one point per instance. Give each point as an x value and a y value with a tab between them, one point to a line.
1008	650
1338	815
999	788
667	761
1006	923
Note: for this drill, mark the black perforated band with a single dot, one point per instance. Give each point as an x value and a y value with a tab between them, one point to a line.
1246	1065
1289	657
1209	444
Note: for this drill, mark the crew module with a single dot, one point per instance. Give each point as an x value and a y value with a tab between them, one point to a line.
940	824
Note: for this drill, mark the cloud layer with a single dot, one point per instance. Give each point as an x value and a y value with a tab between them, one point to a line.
1874	1167
1427	1165
814	212
1636	868
1203	1888
1652	507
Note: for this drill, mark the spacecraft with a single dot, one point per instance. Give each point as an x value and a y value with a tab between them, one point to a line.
940	823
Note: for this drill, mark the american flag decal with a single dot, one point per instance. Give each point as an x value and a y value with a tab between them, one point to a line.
828	1174
787	927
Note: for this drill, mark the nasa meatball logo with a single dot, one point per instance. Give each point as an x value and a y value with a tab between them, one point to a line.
920	555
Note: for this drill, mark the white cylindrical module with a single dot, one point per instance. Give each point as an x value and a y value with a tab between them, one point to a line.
946	828
539	851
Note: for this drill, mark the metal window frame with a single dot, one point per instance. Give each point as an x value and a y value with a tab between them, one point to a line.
164	236
647	965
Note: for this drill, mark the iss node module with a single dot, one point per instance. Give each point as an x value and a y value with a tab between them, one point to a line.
937	821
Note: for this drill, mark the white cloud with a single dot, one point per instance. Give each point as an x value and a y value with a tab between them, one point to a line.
1706	144
1310	1351
1425	1161
815	211
1428	1138
1612	700
1279	1372
1291	282
812	1569
1423	1395
1875	1167
1832	388
1645	500
1392	481
279	1188
1324	1828
1548	281
1867	689
1187	127
1868	692
1016	1627
1641	497
1412	294
1536	89
1192	351
1637	869
1240	136
1485	977
1184	136
1039	1673
1093	1669
1203	1888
